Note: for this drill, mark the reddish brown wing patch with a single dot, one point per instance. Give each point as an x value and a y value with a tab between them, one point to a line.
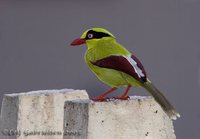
120	63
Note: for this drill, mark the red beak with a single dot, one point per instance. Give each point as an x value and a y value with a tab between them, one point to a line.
78	41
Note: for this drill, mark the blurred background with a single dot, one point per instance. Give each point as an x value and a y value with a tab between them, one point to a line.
165	35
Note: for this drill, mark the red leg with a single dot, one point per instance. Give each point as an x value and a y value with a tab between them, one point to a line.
102	96
124	96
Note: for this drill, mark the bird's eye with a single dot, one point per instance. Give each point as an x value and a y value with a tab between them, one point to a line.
90	36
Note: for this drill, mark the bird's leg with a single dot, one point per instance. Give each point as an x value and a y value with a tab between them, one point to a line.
102	96
124	96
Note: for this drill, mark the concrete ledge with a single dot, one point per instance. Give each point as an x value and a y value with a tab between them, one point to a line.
36	114
69	114
137	118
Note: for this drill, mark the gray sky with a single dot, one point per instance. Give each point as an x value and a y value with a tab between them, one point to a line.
35	52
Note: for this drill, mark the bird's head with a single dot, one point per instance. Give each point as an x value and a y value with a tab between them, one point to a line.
92	36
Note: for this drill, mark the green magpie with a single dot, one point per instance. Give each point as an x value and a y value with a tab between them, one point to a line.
114	65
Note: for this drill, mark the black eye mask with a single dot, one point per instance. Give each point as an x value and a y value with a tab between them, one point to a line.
91	34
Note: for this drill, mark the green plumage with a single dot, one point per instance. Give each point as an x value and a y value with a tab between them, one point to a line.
104	48
102	44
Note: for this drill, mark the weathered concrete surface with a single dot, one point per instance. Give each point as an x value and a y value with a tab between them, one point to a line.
138	118
36	114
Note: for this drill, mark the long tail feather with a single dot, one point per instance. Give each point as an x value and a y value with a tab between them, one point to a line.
160	98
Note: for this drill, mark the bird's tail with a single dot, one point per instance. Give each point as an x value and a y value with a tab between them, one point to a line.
160	98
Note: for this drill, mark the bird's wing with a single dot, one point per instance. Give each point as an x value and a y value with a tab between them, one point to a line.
127	64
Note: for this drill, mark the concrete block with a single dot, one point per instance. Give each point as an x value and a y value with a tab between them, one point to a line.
36	114
137	118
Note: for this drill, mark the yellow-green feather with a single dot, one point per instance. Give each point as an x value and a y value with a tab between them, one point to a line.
104	47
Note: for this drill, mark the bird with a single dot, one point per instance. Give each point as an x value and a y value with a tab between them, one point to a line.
115	66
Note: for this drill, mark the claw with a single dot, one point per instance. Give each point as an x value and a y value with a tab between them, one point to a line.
100	99
102	96
122	97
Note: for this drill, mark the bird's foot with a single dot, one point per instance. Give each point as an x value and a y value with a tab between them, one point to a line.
100	99
122	97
